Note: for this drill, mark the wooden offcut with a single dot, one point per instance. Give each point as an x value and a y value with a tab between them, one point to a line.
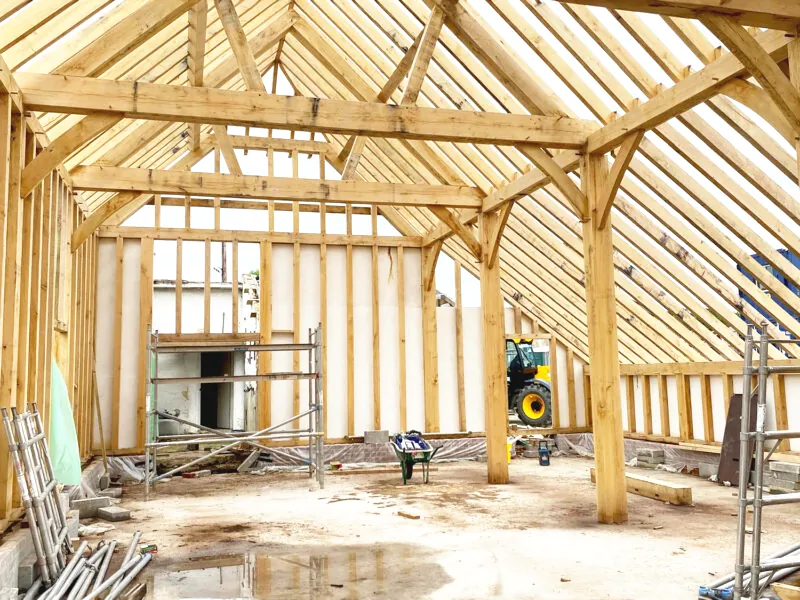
677	495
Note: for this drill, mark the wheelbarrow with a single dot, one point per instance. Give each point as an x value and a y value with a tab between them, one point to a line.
411	449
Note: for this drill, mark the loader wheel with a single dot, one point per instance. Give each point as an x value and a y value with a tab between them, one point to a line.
532	404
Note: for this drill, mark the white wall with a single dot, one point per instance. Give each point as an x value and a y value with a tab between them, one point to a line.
717	405
186	398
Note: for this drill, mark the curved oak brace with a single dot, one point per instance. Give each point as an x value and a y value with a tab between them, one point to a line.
759	63
614	179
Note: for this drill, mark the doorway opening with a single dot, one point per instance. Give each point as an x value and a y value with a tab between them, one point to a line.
216	399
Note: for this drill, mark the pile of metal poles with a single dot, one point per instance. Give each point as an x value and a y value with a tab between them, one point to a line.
84	578
775	571
47	521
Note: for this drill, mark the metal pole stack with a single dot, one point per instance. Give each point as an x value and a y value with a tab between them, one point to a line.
208	435
59	577
752	579
30	455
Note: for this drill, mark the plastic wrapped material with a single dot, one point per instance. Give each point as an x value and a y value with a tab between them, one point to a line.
126	469
130	469
63	439
676	458
452	450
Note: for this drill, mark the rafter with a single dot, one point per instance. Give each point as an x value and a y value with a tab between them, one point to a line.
83	95
517	188
314	43
241	48
97	56
117	208
64	145
685	94
770	14
196	57
760	64
498	58
226	147
430	35
608	193
125	36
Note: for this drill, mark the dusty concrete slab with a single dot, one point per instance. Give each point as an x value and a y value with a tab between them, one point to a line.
534	538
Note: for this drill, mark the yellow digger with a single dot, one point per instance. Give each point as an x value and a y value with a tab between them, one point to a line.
528	376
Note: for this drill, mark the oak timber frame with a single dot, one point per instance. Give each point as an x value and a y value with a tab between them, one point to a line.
445	192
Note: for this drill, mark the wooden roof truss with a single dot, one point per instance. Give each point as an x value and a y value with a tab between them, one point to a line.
431	112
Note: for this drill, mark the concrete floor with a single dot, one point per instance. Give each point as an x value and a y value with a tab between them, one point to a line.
249	536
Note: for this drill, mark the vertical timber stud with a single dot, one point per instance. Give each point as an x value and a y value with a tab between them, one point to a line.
145	320
430	349
794	76
265	334
494	364
598	251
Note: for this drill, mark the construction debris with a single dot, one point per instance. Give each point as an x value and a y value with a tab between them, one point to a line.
45	514
114	514
407	515
649	458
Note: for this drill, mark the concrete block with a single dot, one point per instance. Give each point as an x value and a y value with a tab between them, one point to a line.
113	513
73	523
708	469
530	453
650	453
63	499
376	437
649	460
781	483
112	492
785	467
787	477
87	508
26	574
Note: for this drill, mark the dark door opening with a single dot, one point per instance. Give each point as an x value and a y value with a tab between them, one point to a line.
215	397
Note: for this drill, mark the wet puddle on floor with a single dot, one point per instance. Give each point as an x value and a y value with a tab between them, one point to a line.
352	573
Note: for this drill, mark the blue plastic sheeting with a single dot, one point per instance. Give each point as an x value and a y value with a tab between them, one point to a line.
63	440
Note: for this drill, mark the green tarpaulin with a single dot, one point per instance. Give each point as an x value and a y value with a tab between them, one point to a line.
63	437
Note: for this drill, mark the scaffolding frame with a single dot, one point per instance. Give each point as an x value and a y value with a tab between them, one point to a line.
209	435
752	579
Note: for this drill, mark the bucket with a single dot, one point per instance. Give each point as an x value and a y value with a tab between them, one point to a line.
509	446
